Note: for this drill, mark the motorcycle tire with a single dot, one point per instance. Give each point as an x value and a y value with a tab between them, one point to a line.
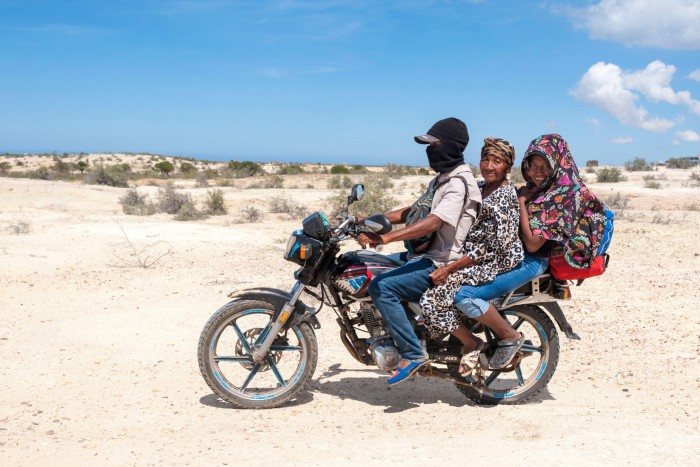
534	363
229	370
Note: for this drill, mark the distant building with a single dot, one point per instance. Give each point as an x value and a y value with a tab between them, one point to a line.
591	163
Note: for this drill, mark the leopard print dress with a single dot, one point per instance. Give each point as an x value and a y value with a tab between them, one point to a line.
492	243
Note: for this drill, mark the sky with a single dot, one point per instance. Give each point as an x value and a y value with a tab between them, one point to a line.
348	81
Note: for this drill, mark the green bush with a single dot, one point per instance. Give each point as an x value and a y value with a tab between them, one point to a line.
610	175
5	167
637	164
188	169
241	169
339	169
165	167
81	166
114	175
291	169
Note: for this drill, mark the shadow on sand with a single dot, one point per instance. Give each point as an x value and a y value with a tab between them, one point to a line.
372	389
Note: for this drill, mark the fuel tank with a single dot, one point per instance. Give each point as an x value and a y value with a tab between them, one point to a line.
356	269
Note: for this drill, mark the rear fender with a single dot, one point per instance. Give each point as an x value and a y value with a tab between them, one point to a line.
556	312
278	298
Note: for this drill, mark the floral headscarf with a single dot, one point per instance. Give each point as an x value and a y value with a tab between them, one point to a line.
564	209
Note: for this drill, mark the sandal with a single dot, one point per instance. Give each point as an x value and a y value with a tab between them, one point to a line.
505	351
469	361
402	374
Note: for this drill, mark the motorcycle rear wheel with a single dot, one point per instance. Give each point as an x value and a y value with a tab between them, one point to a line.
228	368
533	365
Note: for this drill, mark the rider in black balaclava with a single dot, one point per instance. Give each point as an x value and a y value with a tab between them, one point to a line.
449	138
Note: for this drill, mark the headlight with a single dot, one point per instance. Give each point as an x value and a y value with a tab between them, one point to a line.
288	251
302	249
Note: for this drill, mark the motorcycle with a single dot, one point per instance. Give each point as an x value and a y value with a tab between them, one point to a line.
260	350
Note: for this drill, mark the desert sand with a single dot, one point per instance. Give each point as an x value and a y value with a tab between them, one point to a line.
99	353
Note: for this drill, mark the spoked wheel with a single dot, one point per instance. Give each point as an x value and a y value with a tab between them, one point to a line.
224	355
531	368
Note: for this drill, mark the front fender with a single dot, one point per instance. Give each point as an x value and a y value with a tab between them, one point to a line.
278	298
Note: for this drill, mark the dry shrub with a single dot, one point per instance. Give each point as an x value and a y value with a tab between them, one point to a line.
189	212
610	175
250	214
135	204
650	182
617	202
274	182
214	203
287	206
170	200
19	227
336	182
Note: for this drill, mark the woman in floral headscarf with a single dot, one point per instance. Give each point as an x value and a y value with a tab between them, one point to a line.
556	205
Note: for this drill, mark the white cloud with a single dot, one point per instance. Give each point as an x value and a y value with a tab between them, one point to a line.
668	24
622	140
688	135
654	83
695	75
603	85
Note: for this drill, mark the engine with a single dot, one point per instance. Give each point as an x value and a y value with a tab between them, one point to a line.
384	352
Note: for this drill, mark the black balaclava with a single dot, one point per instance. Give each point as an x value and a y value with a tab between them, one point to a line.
447	155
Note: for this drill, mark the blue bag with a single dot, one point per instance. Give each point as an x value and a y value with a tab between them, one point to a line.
608	233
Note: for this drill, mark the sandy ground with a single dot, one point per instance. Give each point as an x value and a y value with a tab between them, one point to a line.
99	354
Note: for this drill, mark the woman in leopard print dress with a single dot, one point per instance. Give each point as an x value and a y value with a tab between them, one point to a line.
492	247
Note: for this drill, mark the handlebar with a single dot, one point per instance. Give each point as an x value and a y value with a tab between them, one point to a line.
351	227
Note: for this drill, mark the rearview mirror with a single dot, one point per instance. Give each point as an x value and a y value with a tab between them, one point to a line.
357	193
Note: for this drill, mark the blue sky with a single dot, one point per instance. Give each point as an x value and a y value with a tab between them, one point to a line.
348	81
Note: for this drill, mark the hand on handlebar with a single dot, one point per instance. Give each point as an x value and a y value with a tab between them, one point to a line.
369	238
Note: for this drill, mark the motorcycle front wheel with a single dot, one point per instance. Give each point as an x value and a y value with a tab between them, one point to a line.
532	367
224	355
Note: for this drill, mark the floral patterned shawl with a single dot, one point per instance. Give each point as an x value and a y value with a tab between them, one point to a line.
564	209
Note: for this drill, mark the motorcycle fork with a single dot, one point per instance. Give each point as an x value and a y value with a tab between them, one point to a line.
259	349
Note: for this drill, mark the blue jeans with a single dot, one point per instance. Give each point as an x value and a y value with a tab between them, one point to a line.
407	282
473	299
